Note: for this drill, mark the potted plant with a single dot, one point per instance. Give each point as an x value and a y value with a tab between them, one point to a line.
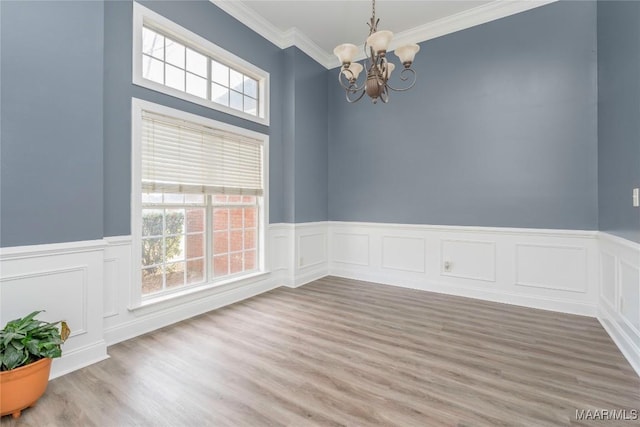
27	346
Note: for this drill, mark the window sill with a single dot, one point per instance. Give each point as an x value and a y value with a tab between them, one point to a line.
175	298
157	87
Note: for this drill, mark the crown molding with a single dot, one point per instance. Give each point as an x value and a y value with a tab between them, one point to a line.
253	20
460	21
282	39
294	37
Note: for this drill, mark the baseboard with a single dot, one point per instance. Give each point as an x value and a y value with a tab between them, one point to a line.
306	276
619	297
505	265
152	321
79	358
306	249
542	303
88	283
611	321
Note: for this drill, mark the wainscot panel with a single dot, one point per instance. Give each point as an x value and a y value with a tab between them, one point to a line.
619	305
65	280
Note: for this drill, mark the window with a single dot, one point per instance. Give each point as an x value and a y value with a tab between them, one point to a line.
198	200
170	59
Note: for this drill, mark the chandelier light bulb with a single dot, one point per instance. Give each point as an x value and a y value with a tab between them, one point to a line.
353	71
345	52
407	53
379	41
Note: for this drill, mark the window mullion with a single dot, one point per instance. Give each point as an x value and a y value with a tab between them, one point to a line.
209	228
244	230
185	89
164	250
164	61
209	79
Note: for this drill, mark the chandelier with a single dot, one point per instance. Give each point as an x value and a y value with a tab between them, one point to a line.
379	69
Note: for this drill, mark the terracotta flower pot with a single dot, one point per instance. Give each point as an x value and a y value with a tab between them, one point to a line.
22	387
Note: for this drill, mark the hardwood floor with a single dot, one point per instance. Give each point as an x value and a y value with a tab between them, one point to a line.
344	352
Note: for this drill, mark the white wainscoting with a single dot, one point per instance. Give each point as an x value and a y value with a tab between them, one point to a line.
547	269
300	252
66	280
311	254
619	307
581	272
122	321
286	243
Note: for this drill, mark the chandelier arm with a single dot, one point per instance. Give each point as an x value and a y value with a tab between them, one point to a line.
351	101
384	95
384	69
376	81
404	79
346	83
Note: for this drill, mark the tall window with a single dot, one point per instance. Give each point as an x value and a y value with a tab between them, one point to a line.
200	193
171	59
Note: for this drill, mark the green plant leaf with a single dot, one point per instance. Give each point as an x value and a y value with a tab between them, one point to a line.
26	340
18	345
10	336
32	346
23	322
12	357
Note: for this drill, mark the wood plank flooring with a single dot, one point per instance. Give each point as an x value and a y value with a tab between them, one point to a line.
343	352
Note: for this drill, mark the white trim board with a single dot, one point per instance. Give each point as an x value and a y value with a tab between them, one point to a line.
67	281
478	262
610	321
619	296
301	253
450	24
138	325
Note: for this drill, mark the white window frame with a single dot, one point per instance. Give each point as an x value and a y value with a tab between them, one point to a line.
143	16
136	298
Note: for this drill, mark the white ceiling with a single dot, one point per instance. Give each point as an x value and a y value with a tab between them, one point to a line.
317	27
330	23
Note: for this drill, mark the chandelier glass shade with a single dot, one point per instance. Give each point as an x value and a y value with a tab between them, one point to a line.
378	68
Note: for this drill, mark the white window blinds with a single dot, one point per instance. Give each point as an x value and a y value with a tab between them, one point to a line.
183	157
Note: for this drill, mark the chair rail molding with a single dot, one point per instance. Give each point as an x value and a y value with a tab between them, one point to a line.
573	271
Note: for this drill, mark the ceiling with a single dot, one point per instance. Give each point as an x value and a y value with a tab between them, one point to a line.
318	26
330	23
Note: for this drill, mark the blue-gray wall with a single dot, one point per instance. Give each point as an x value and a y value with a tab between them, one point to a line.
289	135
500	130
68	177
52	131
305	138
208	21
618	116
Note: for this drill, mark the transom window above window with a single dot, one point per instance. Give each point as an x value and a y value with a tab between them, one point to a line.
170	63
177	66
170	59
233	89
